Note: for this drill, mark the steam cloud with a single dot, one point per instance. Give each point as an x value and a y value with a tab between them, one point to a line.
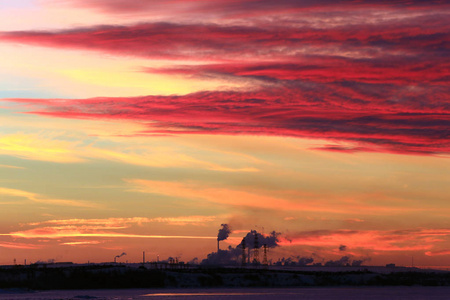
232	255
224	232
270	241
345	261
120	255
295	261
342	248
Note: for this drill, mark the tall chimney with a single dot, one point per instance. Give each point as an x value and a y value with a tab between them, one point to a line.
218	246
143	257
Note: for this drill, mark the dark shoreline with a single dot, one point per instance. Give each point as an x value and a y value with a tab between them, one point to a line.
125	277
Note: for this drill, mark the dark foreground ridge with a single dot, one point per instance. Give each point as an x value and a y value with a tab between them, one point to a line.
109	276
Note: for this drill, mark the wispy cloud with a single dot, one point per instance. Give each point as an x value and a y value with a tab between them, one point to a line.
241	9
264	199
67	232
213	42
82	243
373	240
106	228
377	81
15	245
39	147
438	253
54	148
126	222
45	200
11	167
381	125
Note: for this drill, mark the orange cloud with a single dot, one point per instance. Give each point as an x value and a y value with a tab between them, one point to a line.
436	253
376	240
261	199
68	232
114	223
161	158
18	245
83	243
70	228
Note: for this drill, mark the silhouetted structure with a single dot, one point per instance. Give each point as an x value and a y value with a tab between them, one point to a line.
246	253
256	249
264	262
243	251
117	256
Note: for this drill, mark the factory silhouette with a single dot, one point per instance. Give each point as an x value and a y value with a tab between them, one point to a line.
252	251
245	265
245	253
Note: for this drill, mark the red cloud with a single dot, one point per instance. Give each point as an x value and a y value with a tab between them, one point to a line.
328	69
243	7
377	86
269	41
373	124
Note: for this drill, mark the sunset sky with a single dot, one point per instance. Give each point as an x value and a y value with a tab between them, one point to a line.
130	126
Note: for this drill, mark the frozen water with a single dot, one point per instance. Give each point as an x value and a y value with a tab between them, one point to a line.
348	293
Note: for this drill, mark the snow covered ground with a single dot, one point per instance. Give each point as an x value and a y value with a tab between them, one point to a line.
349	293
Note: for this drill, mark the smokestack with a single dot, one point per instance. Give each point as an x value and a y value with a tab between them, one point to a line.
120	255
143	257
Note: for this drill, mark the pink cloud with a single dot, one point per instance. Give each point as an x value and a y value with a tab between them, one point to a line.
327	69
363	86
379	125
240	8
203	42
